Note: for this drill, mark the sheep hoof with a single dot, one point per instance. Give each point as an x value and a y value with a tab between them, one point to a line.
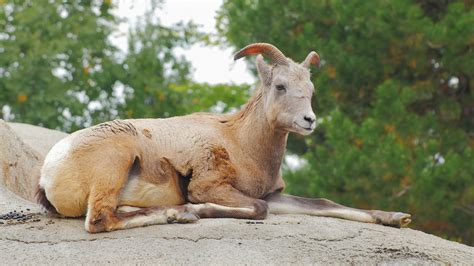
394	219
403	219
187	217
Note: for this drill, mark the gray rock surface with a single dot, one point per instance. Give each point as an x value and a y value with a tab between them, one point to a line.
18	163
22	149
39	138
283	239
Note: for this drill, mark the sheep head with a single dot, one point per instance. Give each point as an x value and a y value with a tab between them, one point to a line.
286	88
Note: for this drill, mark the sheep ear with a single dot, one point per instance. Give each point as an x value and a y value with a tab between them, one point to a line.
264	70
311	59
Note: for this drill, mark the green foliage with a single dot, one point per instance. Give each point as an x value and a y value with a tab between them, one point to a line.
59	69
38	39
396	131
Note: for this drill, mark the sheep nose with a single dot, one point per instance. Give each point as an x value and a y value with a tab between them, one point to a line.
310	118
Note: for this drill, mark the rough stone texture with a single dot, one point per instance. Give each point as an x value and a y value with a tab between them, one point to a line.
40	138
18	163
280	239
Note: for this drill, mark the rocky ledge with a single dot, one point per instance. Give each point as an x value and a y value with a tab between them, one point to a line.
28	236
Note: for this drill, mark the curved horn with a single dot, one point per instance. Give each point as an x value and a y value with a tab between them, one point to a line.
311	59
270	51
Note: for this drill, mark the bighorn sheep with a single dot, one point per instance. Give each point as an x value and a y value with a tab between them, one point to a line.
131	173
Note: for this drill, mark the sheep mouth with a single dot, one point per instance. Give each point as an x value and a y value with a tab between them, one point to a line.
305	128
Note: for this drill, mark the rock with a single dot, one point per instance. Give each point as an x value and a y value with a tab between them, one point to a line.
39	138
19	163
282	239
22	149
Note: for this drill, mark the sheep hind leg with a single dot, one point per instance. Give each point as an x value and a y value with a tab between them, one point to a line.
111	220
103	216
212	210
286	204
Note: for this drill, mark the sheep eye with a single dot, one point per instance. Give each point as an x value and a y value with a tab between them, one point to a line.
280	87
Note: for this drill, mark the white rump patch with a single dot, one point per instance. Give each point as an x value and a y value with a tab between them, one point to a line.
55	157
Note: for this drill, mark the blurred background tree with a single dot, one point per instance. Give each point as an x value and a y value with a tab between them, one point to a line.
393	94
58	68
55	60
394	97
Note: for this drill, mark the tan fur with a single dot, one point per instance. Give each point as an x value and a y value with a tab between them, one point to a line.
233	160
153	189
146	133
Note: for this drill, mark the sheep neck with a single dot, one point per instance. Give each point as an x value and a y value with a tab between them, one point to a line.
258	138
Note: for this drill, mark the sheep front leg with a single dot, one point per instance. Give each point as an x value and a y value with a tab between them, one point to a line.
279	203
226	202
212	190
